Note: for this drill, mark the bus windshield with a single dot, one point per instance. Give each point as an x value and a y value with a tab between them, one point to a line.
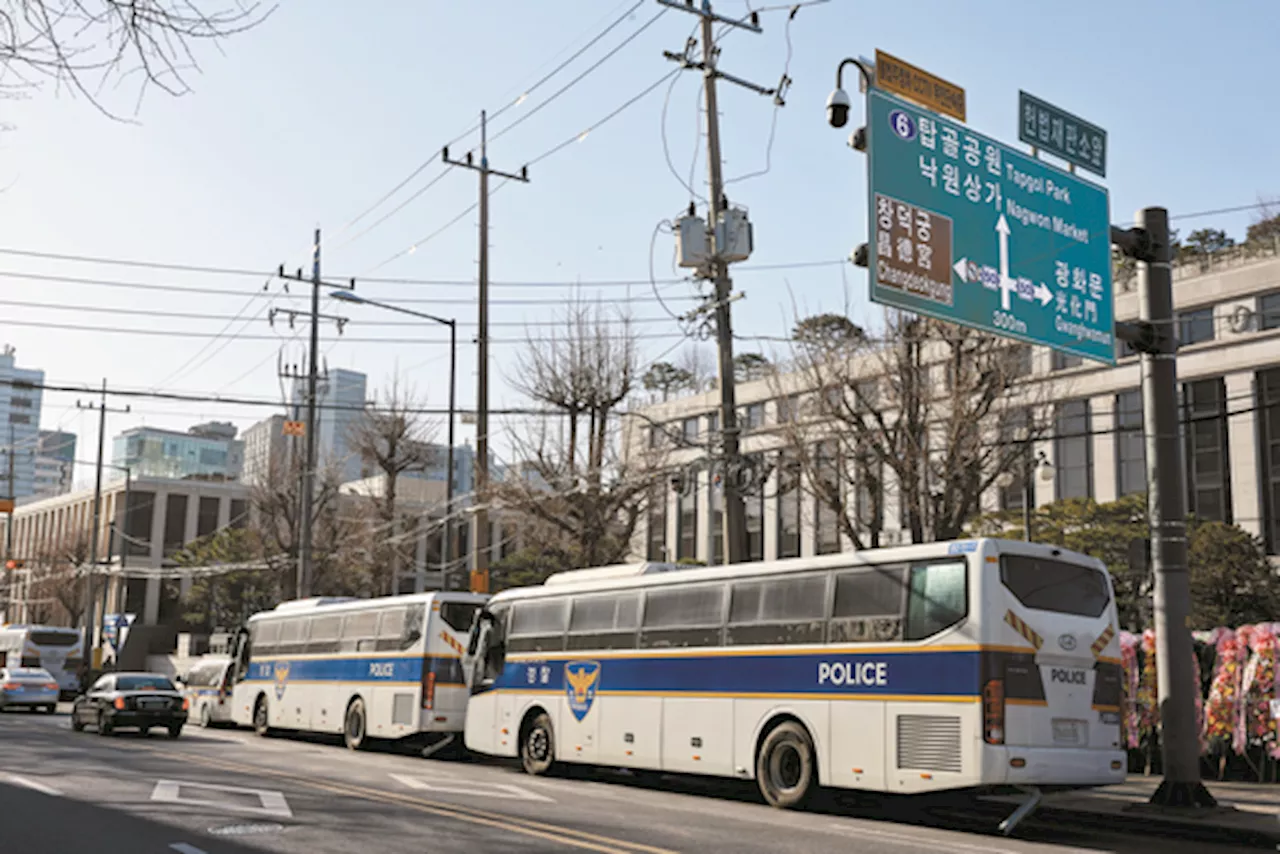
48	637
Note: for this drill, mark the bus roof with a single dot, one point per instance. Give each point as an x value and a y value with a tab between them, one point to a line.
641	575
343	604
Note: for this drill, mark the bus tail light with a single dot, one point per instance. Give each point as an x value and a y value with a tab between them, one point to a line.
993	711
429	693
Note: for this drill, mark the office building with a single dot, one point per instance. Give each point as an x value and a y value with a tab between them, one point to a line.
265	446
1228	324
205	452
55	463
20	400
340	403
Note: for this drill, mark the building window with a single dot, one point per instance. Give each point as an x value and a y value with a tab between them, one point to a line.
1131	444
137	522
175	523
1269	311
687	521
789	497
207	518
656	549
754	501
752	417
20	402
19	418
1125	349
1269	430
1013	438
713	424
1064	361
1020	361
789	409
239	513
1072	451
868	497
689	431
827	499
716	529
1195	326
1208	480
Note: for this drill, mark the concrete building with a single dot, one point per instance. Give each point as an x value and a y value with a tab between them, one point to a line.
55	463
157	517
206	451
1228	316
340	399
265	446
20	401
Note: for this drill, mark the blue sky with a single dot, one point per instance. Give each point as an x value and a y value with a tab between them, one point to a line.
311	117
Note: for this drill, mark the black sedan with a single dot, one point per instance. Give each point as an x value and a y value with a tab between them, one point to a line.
139	700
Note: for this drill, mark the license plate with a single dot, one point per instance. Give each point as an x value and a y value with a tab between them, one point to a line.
1067	731
153	704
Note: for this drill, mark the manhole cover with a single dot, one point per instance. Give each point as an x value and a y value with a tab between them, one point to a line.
246	829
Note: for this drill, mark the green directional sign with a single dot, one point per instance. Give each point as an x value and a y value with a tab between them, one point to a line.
969	230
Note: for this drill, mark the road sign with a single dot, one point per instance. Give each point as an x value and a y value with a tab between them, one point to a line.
918	85
969	230
1058	132
294	428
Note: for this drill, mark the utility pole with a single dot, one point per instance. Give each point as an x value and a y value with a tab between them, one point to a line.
92	563
1154	336
12	493
480	539
312	377
735	526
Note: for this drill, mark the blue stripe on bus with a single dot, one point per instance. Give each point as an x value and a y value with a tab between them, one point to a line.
917	672
448	669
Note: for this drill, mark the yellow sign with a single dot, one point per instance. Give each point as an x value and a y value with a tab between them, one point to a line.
294	428
916	84
6	505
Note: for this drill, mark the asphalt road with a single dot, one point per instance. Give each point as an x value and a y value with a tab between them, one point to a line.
229	792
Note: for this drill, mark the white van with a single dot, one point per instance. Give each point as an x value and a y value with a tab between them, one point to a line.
208	689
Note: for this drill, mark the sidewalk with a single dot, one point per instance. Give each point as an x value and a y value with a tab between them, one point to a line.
1247	813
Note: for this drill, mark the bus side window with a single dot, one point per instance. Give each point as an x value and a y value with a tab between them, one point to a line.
495	654
938	599
869	604
412	631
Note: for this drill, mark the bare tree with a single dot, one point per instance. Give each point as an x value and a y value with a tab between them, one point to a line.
85	44
573	480
393	439
927	413
58	580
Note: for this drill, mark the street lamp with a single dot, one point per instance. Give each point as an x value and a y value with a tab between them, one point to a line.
353	297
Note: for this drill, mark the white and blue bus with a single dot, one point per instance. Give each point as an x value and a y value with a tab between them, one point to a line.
959	665
387	668
57	649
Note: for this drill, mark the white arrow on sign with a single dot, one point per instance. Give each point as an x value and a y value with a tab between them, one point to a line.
1043	294
1007	285
968	273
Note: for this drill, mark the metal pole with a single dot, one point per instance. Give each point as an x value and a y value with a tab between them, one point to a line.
735	529
8	528
1167	507
480	539
97	514
1028	491
120	537
449	477
309	472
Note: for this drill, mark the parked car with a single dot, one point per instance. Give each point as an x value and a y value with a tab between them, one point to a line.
28	687
208	687
131	700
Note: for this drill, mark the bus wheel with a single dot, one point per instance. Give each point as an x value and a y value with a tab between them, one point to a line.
261	718
785	770
206	717
355	729
538	746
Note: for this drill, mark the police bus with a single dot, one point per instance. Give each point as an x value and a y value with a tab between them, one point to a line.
387	668
954	665
57	649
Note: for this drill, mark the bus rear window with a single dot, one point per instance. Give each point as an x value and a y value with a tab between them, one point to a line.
1054	585
458	615
40	638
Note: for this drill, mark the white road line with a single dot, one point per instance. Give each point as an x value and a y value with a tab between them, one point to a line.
474	788
184	848
32	784
272	803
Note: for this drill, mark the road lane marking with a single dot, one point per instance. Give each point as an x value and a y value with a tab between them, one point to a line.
34	785
272	803
184	848
477	788
562	836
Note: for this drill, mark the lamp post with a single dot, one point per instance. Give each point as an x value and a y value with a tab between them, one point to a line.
353	297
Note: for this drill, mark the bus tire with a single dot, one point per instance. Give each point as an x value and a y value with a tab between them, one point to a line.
538	745
355	726
206	717
262	717
785	768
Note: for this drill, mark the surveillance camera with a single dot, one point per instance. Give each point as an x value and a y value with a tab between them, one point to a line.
838	109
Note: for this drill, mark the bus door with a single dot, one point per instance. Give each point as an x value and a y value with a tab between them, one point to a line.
1063	690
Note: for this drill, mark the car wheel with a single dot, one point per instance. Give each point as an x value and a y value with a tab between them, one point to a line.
785	769
49	710
538	746
261	718
206	717
104	725
175	730
355	729
76	724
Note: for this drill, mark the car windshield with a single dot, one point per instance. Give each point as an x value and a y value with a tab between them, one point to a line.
143	683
